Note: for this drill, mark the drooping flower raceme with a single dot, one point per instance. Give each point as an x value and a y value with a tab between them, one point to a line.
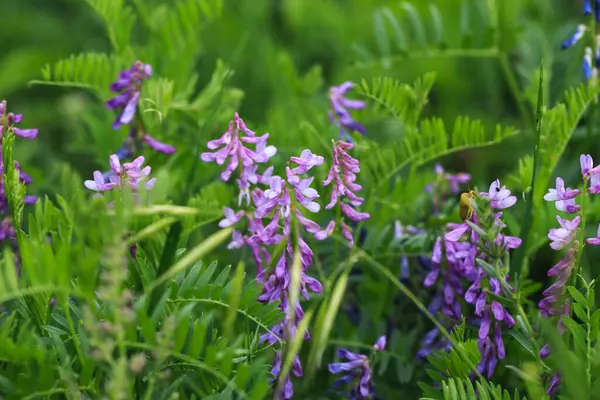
340	114
128	89
270	220
356	366
343	176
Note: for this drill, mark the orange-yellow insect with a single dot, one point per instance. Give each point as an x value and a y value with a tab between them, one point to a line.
466	205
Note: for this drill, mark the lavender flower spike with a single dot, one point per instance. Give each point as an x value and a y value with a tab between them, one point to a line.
8	120
343	174
339	114
576	37
128	87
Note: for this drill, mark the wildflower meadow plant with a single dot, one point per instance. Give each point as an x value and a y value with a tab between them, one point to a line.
291	253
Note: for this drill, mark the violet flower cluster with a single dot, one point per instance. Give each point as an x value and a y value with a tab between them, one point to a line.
272	211
127	175
343	176
128	89
8	120
459	251
233	147
356	367
340	114
555	303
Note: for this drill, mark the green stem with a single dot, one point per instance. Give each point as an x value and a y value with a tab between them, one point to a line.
336	245
581	232
73	332
589	344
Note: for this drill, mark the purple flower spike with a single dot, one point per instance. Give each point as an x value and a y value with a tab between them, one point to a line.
128	87
8	120
232	147
343	176
339	114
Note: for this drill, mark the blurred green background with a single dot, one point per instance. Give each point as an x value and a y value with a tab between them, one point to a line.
264	41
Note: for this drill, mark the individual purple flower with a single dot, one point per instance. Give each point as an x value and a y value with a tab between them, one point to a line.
576	37
380	344
500	196
554	384
564	198
340	106
561	237
9	120
128	88
355	366
343	176
231	217
232	146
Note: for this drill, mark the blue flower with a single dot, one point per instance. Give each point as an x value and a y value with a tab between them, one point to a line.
587	7
576	37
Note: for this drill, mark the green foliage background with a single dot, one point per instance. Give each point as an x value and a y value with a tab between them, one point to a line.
419	64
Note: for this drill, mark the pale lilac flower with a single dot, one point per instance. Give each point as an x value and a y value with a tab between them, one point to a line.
306	161
231	217
232	147
560	193
587	163
340	114
562	236
500	196
8	120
